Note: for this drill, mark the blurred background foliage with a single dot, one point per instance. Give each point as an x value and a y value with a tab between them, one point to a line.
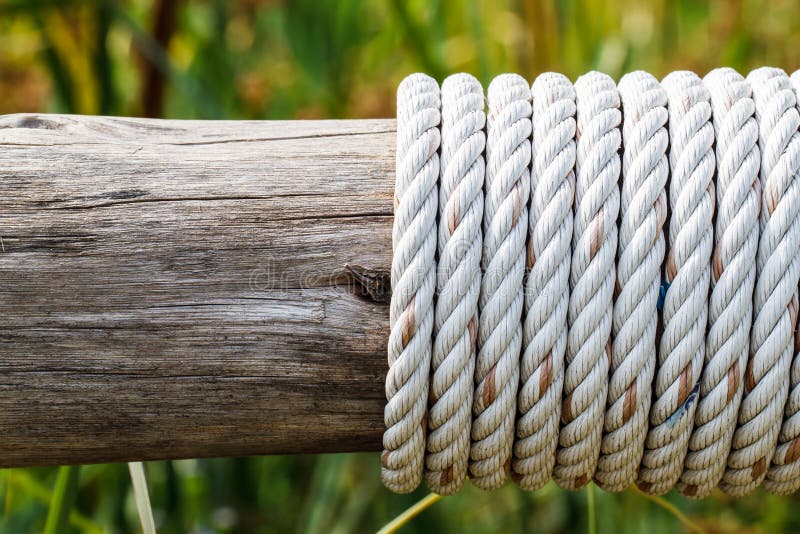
298	59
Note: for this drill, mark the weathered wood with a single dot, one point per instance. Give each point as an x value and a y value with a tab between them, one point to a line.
174	289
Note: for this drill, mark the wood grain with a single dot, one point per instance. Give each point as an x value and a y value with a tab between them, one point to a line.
183	289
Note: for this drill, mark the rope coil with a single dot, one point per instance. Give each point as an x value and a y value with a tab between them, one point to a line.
643	209
733	273
616	296
592	278
413	279
505	227
458	283
547	280
685	308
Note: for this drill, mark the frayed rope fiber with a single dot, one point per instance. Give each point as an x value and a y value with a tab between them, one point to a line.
596	281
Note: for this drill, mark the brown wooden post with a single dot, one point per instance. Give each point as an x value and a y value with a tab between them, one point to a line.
175	289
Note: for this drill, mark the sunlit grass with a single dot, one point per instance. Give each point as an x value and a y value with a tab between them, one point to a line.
142	497
63	499
310	59
670	508
401	520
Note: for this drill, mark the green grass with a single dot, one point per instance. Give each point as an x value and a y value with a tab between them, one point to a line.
142	497
310	59
63	499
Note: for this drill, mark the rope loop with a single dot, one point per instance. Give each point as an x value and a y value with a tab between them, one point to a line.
544	332
688	272
592	279
413	279
458	283
505	228
643	209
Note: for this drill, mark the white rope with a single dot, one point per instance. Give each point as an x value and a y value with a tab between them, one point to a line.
783	476
413	280
547	284
592	276
585	385
688	271
777	271
640	254
505	227
458	283
733	273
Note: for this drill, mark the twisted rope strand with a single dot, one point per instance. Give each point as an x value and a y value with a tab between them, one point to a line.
592	275
413	278
685	311
775	298
458	283
588	383
639	258
547	282
505	227
733	274
783	476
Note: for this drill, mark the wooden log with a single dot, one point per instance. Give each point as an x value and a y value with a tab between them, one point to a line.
183	289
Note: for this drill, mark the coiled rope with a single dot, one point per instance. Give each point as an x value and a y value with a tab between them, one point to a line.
777	269
643	209
685	308
616	296
505	228
594	244
458	282
413	279
733	274
547	284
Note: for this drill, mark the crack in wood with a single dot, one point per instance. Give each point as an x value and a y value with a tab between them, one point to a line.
372	283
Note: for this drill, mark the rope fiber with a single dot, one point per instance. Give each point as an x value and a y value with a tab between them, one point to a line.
596	281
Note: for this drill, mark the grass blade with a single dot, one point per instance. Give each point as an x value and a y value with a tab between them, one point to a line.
415	37
102	60
142	497
672	509
423	504
206	105
62	79
63	499
23	480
